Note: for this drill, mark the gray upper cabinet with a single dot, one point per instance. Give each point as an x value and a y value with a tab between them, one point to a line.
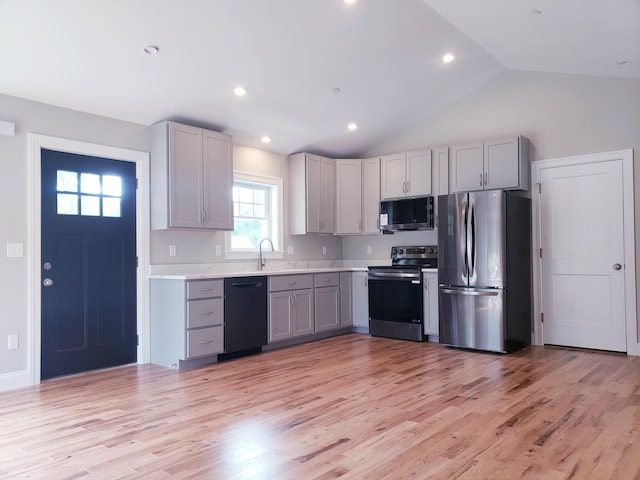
348	196
405	175
191	178
493	164
312	181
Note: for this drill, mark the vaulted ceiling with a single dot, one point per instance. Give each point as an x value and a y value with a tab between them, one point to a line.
310	67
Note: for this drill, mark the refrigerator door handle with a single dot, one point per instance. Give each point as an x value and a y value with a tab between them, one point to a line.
472	252
465	222
471	293
468	235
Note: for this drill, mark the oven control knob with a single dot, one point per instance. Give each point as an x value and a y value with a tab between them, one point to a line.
430	249
401	251
394	250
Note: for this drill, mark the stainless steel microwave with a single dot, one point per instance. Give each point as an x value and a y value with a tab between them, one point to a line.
407	214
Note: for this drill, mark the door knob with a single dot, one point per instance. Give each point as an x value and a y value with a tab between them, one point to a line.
617	266
47	282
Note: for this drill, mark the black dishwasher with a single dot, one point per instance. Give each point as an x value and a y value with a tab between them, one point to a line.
245	315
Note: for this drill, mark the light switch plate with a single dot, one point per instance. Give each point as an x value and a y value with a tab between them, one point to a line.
12	342
218	250
173	250
15	250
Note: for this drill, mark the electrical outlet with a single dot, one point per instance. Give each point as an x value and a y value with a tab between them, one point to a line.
15	250
218	250
12	342
173	250
290	250
368	249
324	250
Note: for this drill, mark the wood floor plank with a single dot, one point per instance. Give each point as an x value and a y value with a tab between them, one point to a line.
350	407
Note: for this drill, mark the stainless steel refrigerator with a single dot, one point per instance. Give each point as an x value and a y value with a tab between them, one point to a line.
484	270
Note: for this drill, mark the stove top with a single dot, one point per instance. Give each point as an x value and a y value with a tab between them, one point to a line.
413	257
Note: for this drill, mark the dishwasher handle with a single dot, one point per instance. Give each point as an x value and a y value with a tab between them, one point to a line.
246	284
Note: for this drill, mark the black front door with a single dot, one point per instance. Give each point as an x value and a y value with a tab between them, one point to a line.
88	317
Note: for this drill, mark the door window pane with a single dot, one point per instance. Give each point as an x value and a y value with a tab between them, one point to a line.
67	181
110	207
90	183
90	206
67	204
111	185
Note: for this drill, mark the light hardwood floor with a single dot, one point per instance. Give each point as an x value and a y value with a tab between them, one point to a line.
351	407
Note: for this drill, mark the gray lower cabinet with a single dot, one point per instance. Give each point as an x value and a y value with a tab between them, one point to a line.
430	303
360	294
291	306
327	301
346	304
187	320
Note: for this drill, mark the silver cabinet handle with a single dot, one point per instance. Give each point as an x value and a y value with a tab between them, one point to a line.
408	187
485	178
616	266
203	314
480	179
204	342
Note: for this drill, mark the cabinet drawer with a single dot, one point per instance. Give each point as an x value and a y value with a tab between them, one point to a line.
290	282
326	279
205	341
205	288
201	313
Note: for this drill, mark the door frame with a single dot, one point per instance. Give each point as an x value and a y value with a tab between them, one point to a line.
626	156
36	143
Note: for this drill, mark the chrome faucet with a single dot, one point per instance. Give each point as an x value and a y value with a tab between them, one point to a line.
261	261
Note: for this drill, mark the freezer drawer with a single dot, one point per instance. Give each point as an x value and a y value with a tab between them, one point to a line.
472	318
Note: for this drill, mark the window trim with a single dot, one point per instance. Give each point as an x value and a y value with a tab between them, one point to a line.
277	206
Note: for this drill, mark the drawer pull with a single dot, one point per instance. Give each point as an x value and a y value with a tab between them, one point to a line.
206	313
206	289
327	280
204	342
292	283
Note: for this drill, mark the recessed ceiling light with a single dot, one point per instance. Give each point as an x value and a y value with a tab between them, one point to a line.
266	139
535	11
448	58
349	2
240	91
151	49
352	126
335	90
623	63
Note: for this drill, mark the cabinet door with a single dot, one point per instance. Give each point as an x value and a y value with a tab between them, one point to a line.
418	173
348	196
313	183
466	170
327	195
360	299
217	181
327	308
346	305
440	169
430	284
185	176
302	312
501	163
392	176
371	195
280	316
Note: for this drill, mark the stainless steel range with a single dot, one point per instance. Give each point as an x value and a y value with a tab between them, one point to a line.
396	295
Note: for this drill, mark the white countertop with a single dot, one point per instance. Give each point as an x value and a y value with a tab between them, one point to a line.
252	273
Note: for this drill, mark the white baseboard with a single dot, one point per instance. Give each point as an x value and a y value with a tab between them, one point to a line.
13	380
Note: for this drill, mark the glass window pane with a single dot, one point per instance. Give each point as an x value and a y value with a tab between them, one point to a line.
245	195
67	204
236	210
246	210
67	182
90	183
258	196
111	185
247	233
235	193
110	207
90	206
258	211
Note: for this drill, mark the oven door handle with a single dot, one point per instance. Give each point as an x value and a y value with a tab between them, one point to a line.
394	276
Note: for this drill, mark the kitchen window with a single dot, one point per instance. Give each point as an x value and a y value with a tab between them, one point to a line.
257	211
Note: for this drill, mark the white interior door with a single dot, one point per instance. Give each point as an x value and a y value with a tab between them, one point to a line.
583	258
